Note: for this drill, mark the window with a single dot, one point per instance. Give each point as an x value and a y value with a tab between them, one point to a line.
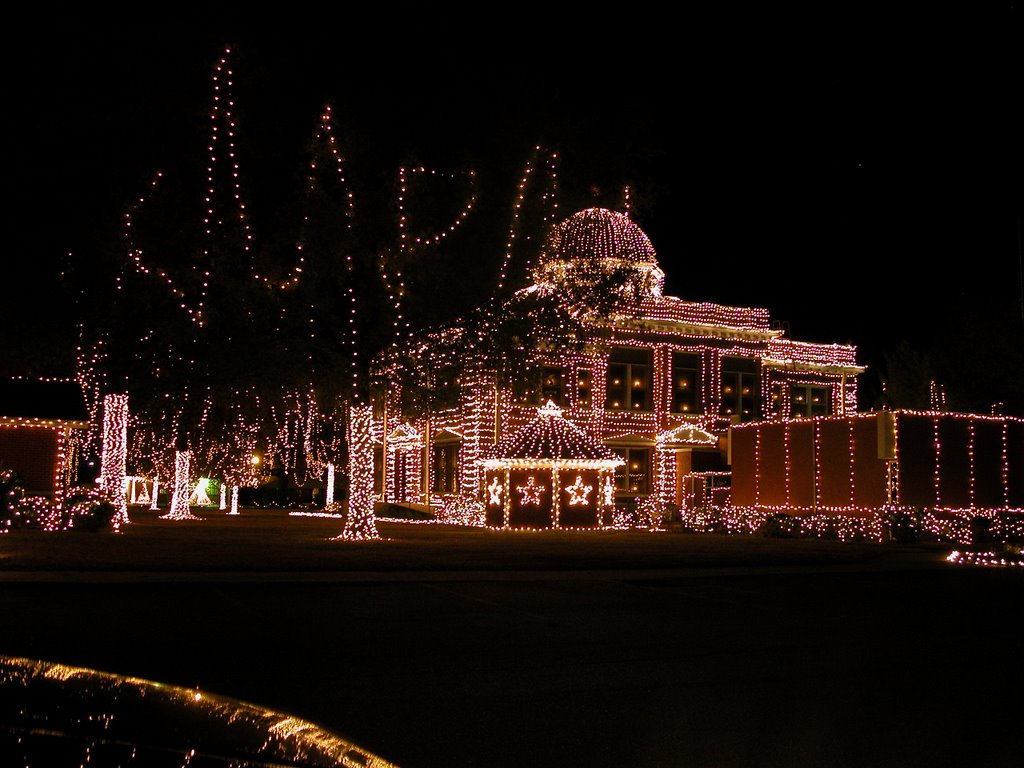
584	387
552	385
629	376
740	385
808	400
776	404
632	478
686	383
531	390
446	468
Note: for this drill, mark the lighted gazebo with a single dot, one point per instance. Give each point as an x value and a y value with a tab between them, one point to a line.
549	474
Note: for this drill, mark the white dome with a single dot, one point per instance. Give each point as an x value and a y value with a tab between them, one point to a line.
597	236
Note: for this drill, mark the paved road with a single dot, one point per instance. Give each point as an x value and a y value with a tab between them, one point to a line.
812	666
467	648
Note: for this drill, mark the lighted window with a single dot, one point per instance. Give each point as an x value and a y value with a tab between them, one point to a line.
552	385
584	387
628	385
775	406
685	386
807	400
632	479
741	386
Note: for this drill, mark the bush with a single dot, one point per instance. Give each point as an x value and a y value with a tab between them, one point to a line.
780	526
10	494
901	527
90	509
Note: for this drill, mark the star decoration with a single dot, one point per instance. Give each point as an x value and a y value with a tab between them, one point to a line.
531	492
494	489
579	494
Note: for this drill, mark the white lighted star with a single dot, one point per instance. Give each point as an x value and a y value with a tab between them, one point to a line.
531	492
494	489
579	494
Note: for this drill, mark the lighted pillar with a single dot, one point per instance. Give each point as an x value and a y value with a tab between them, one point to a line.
329	494
182	490
234	500
223	495
156	494
114	460
360	523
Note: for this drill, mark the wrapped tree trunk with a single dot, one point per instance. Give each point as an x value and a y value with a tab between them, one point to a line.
182	489
329	492
115	455
360	522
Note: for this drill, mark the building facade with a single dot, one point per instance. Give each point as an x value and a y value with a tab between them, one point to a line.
658	382
38	422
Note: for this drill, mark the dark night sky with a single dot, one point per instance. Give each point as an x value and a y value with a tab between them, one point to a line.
858	173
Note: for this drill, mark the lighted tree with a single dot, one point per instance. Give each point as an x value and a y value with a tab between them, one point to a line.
356	308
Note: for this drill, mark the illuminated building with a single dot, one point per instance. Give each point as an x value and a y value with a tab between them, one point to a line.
37	423
658	382
859	465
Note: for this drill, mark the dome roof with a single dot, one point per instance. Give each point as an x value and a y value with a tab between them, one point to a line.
608	239
597	233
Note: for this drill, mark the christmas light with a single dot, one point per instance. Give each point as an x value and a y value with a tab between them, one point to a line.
919	460
182	489
114	457
360	523
579	494
545	454
548	198
604	237
985	559
199	496
531	493
712	338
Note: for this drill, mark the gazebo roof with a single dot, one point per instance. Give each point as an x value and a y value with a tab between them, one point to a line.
551	439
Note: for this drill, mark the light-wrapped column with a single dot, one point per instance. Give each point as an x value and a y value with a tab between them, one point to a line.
115	456
182	488
360	522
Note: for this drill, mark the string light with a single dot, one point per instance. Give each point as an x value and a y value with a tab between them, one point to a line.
985	559
392	264
537	462
548	201
655	327
114	458
182	489
360	523
885	486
